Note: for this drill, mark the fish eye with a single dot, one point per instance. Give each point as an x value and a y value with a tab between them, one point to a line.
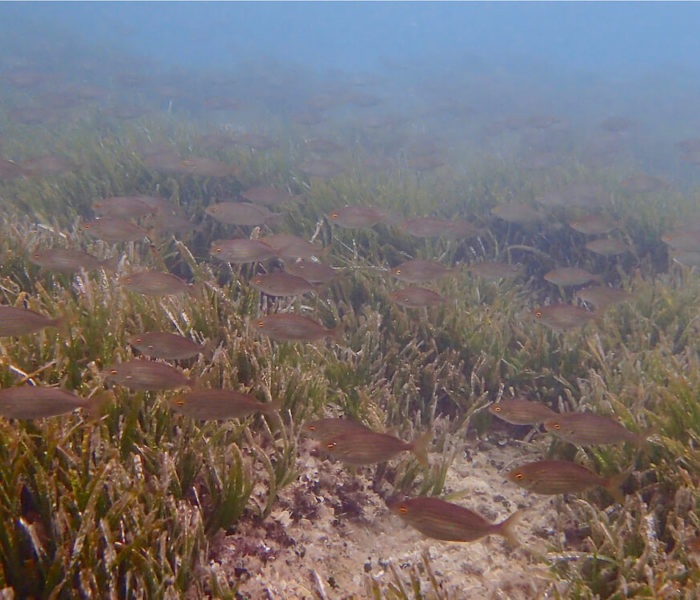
87	226
497	409
113	372
538	314
330	445
333	215
519	476
218	250
403	509
180	402
261	323
397	271
312	427
556	426
138	340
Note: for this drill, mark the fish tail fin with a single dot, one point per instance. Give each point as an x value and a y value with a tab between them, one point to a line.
272	407
507	528
97	402
111	265
613	485
419	447
336	335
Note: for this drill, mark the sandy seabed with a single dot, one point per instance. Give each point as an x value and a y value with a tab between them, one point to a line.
331	534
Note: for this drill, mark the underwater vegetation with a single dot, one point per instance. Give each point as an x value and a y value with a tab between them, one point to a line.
211	336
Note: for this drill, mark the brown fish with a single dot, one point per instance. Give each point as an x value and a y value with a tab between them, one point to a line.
220	404
566	276
516	213
449	522
320	167
241	251
585	429
62	260
356	217
123	207
154	283
323	429
519	411
561	477
685	257
239	213
114	230
279	283
48	164
288	327
160	344
608	247
645	184
34	402
420	271
494	270
426	227
267	195
683	239
140	374
287	245
561	317
601	296
416	297
593	225
22	321
312	271
10	169
359	447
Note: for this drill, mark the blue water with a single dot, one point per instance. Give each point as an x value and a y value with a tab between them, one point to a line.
611	38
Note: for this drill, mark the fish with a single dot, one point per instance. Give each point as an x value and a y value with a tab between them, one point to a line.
601	296
416	297
239	213
147	375
359	447
645	184
593	225
160	344
268	195
420	271
48	164
287	245
205	167
123	207
220	404
519	411
34	402
426	227
684	238
685	257
288	327
281	284
494	270
561	317
114	230
608	247
322	429
566	276
321	168
154	283
585	429
449	522
22	321
356	217
10	170
241	251
561	477
66	261
516	213
312	271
